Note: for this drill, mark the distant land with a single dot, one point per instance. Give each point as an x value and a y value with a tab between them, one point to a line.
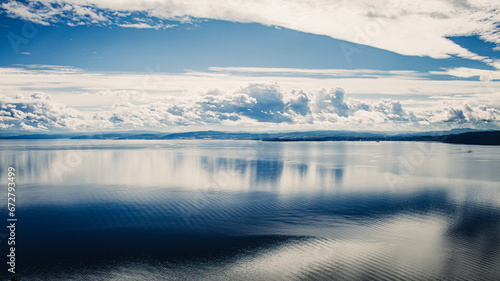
457	136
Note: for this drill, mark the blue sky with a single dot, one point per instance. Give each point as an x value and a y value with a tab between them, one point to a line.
209	43
107	65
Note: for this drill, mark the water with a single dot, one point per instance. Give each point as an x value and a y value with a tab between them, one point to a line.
247	210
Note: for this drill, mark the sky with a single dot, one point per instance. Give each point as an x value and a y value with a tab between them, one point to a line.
115	65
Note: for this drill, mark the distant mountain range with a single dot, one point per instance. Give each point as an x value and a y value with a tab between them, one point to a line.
459	136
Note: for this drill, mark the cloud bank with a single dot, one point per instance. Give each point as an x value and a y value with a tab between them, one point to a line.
254	106
417	28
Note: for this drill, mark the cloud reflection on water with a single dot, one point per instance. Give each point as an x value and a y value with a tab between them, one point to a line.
287	211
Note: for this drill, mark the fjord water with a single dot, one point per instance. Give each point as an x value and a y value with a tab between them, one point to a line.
250	210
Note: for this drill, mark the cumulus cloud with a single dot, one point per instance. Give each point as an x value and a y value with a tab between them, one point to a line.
37	112
477	115
247	107
331	101
261	102
298	101
419	28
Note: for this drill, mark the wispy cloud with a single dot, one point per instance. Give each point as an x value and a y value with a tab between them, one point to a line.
143	25
68	84
359	73
418	28
466	72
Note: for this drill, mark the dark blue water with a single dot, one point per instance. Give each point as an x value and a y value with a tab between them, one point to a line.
245	210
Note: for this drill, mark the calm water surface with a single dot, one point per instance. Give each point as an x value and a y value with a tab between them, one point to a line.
248	210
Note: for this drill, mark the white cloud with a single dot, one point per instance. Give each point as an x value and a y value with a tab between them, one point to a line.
252	107
38	112
465	72
25	12
69	85
143	25
359	73
81	100
140	25
416	28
